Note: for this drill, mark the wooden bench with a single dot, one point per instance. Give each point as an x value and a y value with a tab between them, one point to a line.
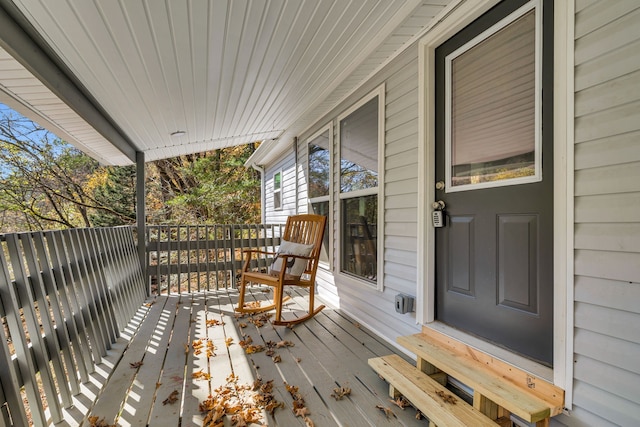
427	394
499	389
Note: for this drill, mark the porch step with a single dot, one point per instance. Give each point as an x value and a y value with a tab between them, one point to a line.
427	394
499	389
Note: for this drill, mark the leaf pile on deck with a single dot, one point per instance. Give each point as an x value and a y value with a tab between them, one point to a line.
242	402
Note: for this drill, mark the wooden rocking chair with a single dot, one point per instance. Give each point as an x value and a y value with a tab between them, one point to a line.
295	264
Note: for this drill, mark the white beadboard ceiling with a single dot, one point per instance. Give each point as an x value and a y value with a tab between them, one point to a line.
225	72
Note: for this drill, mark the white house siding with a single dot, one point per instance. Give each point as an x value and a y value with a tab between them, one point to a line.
369	306
287	164
607	214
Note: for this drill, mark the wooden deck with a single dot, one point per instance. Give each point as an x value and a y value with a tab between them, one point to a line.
150	364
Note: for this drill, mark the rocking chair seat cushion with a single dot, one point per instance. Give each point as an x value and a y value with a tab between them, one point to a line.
295	266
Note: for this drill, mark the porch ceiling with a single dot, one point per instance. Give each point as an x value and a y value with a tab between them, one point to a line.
224	72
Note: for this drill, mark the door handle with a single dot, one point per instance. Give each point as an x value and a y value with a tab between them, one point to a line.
438	206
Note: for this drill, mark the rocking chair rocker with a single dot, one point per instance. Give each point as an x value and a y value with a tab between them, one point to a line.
294	264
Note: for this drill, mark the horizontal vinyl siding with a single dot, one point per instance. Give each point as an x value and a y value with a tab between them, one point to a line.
369	306
287	165
607	215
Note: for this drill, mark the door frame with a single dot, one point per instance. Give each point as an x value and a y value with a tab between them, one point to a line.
457	16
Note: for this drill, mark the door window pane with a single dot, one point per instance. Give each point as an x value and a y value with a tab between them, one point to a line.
492	131
359	148
359	242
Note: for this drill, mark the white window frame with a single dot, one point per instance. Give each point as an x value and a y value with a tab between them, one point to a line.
279	190
537	176
457	16
379	191
329	197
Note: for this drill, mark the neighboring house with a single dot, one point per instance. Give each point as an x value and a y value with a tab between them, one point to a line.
550	213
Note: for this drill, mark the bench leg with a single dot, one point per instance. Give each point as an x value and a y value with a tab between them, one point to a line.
543	423
426	367
393	392
486	406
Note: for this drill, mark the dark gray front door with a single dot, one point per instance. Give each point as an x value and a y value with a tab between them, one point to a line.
494	256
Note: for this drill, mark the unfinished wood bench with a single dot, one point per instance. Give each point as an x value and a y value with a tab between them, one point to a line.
427	394
499	389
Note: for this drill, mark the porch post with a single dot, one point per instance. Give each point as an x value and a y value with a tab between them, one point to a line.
141	217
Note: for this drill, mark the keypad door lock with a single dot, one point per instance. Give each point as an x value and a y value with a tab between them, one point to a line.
438	219
438	215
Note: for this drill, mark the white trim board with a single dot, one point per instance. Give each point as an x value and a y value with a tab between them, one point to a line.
463	14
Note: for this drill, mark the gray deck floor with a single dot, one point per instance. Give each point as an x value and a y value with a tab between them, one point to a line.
327	352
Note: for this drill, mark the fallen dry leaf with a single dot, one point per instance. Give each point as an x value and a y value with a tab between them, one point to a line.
340	392
211	349
254	349
284	343
302	412
446	397
99	422
401	402
387	411
276	358
245	342
173	398
201	375
136	365
228	341
308	422
214	322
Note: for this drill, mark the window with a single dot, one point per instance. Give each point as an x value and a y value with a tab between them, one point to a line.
320	182
491	108
277	190
361	139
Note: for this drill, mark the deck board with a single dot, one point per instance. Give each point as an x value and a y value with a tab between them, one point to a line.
140	397
173	369
196	390
330	350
